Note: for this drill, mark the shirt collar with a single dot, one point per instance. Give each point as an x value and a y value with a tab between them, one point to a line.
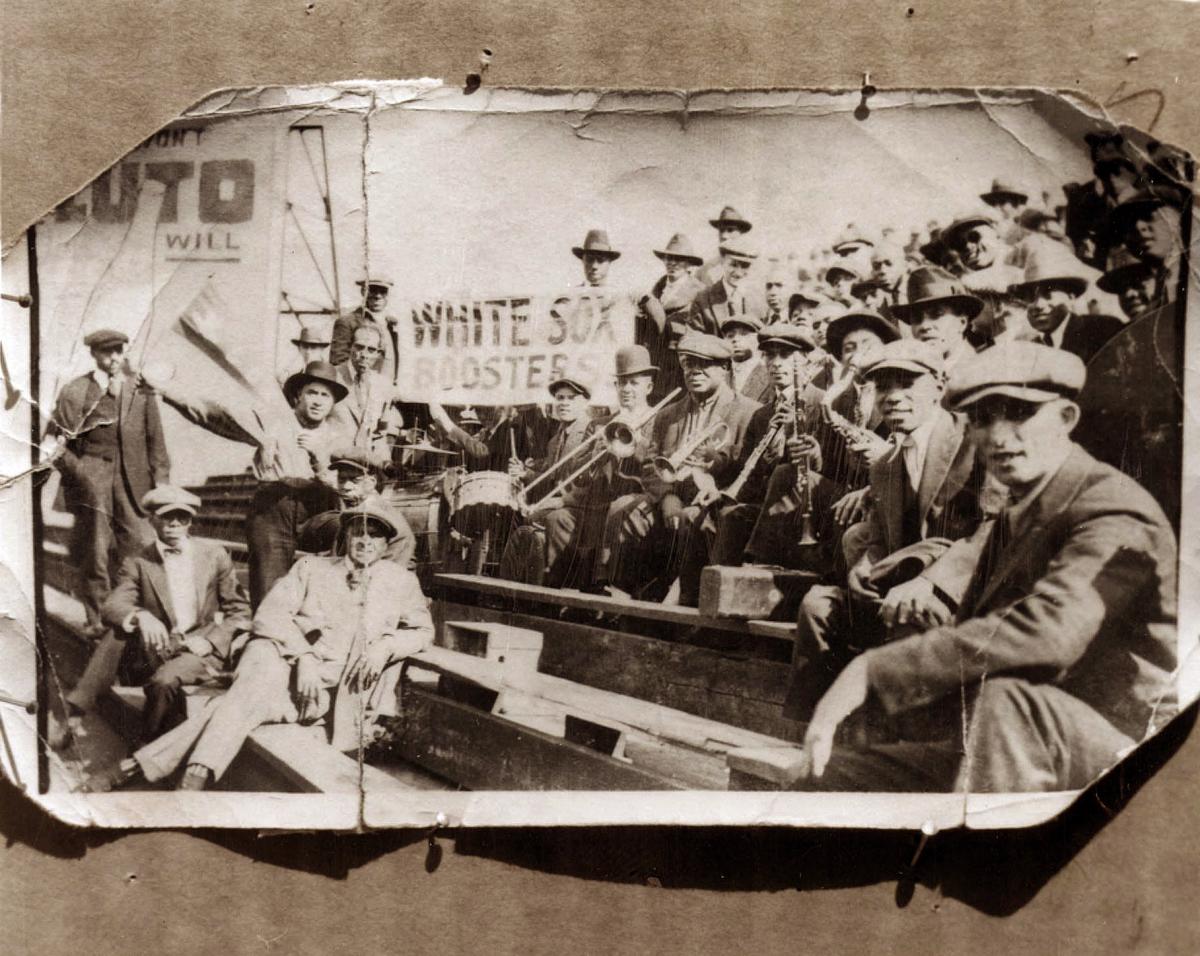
1019	508
185	549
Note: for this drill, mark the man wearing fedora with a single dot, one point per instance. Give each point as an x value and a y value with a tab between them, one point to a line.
1133	281
975	244
663	311
112	451
730	226
1149	224
372	311
322	645
596	256
1053	283
1008	202
728	295
940	311
1055	622
311	346
291	462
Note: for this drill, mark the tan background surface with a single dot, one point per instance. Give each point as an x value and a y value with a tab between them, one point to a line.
83	81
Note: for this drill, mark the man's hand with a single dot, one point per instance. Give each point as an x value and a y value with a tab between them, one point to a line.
672	511
803	447
519	469
199	646
156	640
307	440
851	508
872	448
308	686
844	697
914	603
707	492
365	671
637	521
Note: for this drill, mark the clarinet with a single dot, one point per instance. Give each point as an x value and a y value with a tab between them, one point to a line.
803	479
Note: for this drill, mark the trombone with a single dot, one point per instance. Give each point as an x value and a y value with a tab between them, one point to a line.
619	440
672	469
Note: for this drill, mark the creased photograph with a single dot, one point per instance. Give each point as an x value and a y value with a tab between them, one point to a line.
388	454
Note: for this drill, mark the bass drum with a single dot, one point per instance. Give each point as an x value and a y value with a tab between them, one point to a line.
482	501
419	502
1132	404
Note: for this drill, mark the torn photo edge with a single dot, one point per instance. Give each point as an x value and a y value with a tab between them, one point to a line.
25	760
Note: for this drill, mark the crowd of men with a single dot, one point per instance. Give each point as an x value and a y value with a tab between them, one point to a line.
900	419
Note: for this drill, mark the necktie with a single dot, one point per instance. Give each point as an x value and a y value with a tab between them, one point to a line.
1048	339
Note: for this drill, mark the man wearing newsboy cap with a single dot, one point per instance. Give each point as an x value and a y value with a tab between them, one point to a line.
112	452
1055	622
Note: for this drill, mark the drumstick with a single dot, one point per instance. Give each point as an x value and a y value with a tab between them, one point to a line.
512	439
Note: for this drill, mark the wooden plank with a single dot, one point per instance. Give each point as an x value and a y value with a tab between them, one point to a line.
481	751
519	593
627	713
741	690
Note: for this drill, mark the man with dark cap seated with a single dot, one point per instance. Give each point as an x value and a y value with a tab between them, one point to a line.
698	440
1054	624
1053	284
359	474
323	643
112	452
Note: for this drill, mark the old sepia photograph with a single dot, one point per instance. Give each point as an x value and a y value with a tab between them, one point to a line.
407	453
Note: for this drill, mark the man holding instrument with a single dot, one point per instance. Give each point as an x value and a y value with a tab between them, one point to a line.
696	441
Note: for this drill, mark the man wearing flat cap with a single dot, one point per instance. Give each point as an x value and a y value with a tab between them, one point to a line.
291	461
663	312
940	311
373	312
324	642
177	607
646	534
1061	633
925	494
1053	284
728	295
749	375
112	452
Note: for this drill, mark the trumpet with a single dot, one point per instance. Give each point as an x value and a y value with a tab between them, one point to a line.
672	469
619	439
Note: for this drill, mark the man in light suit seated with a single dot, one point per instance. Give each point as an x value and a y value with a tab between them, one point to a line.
1052	628
323	644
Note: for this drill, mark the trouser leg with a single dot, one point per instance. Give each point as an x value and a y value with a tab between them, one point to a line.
132	531
165	700
620	550
94	519
1026	737
272	525
693	543
906	767
100	673
735	524
819	653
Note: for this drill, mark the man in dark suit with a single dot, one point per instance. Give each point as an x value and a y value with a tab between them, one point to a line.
646	534
1061	637
1054	281
182	600
372	312
926	495
113	452
727	295
749	373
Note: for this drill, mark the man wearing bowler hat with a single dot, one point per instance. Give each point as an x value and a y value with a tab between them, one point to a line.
1055	622
940	311
112	452
372	311
1053	283
291	462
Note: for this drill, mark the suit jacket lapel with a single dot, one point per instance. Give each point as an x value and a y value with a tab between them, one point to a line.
1025	537
944	443
156	574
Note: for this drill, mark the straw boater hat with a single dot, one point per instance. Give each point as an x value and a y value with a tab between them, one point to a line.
596	243
843	325
933	285
1026	371
633	360
680	247
310	336
1054	265
731	217
1002	192
321	372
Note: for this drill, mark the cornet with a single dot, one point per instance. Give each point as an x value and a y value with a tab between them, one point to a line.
673	469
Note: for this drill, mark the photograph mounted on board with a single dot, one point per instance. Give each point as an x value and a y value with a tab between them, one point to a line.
382	453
